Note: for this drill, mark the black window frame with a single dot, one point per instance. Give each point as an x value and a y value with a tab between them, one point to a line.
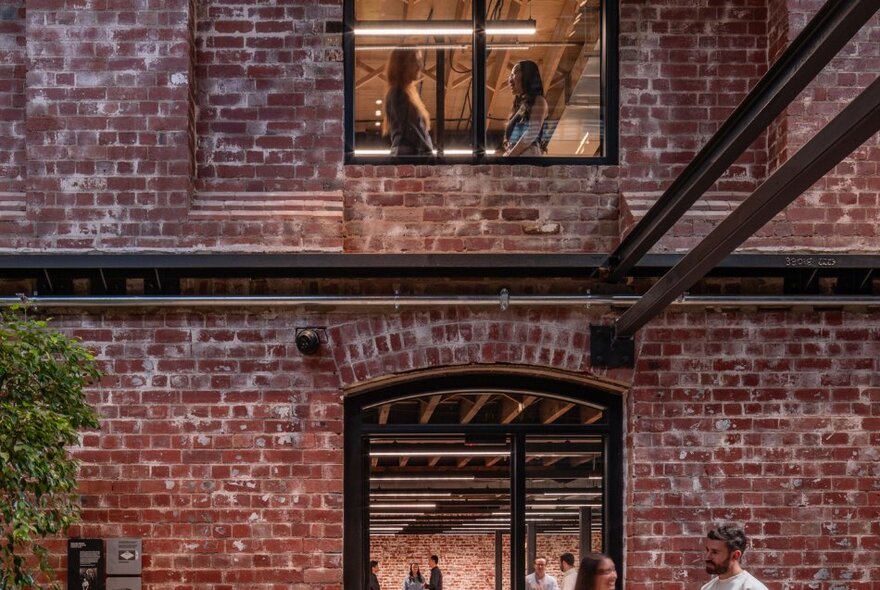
356	468
610	98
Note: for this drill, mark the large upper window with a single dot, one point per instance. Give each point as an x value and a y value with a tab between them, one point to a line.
507	81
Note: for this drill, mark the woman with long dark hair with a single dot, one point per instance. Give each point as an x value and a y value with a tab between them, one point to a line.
407	121
524	133
597	572
414	580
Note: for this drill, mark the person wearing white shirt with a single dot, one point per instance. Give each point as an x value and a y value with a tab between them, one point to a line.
724	550
540	579
569	572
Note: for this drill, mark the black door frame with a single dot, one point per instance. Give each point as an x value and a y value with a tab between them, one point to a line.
357	434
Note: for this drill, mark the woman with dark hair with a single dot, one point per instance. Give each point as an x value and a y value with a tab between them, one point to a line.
414	580
597	572
406	119
524	133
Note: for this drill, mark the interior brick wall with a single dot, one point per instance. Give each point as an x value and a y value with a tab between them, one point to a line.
467	561
221	445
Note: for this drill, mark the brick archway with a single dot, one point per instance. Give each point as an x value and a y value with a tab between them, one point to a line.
381	347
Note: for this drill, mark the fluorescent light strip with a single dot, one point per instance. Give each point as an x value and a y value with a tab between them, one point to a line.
442	28
599	493
446	152
422	505
439	453
426	477
411	495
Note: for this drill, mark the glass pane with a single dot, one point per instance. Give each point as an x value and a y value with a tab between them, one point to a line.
435	495
564	490
557	80
412	91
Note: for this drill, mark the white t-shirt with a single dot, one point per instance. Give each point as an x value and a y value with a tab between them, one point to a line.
546	583
569	578
741	581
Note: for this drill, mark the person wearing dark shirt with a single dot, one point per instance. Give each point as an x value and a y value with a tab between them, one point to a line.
436	580
374	579
407	121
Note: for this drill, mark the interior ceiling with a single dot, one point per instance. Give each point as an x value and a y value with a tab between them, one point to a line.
565	47
431	484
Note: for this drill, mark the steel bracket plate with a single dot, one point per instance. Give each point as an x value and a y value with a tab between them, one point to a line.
610	352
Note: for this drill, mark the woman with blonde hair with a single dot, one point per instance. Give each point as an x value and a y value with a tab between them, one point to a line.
406	119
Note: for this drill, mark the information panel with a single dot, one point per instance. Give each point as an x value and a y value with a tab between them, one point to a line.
85	564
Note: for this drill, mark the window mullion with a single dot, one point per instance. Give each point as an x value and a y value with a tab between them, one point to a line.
479	80
517	511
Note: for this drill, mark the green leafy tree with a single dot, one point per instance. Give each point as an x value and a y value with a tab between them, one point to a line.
43	375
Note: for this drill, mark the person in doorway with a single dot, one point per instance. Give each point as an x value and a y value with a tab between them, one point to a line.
724	550
524	132
436	580
596	572
540	579
414	579
374	579
407	121
569	571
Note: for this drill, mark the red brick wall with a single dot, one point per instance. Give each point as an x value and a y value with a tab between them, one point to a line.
221	445
270	95
108	123
842	211
467	561
684	66
111	120
771	420
12	80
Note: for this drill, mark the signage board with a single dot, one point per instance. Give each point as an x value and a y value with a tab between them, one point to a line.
123	557
85	564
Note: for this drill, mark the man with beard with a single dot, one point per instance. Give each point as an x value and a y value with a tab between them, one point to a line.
724	549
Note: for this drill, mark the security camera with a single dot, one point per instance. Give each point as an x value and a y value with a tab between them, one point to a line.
308	340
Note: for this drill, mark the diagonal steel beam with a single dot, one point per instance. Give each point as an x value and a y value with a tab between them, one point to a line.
832	27
847	131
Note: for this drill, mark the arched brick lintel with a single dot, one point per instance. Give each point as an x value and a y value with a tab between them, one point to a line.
377	351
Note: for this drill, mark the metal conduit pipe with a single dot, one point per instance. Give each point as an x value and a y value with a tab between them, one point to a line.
502	301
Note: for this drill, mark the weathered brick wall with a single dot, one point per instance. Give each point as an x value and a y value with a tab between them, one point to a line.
770	419
108	106
111	115
12	103
270	95
221	445
842	210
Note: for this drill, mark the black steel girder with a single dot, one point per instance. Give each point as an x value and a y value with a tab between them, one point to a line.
847	131
832	27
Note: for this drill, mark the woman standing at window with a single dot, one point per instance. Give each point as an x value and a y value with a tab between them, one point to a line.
415	580
406	119
524	133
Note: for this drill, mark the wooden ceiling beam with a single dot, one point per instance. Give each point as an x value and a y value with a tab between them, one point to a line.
427	408
467	409
551	410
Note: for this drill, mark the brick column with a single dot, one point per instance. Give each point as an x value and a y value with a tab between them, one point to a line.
109	120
